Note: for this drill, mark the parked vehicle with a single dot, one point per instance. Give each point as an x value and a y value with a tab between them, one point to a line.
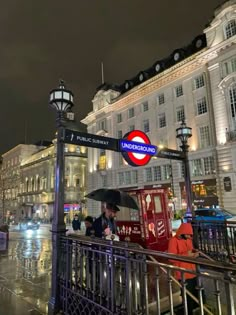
213	214
29	224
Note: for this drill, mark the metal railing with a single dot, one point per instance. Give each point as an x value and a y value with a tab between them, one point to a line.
216	239
104	277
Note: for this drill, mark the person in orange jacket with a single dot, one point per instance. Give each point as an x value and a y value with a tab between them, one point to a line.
182	244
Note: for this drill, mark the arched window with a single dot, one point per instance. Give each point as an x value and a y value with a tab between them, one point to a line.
232	97
230	29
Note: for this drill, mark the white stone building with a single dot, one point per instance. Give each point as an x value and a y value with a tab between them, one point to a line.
29	177
197	82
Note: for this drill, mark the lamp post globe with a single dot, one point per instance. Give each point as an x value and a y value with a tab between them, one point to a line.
61	100
183	133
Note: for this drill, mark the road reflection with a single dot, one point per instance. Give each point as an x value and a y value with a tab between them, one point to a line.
25	269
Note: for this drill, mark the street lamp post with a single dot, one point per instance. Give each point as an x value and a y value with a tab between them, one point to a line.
184	133
61	100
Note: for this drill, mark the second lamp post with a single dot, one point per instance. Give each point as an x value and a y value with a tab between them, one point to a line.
184	133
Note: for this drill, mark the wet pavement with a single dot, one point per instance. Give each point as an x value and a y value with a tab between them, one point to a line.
25	272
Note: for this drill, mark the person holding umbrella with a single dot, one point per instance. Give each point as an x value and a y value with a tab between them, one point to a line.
105	224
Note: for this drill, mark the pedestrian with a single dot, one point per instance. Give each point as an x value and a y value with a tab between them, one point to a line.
76	223
88	221
105	225
182	244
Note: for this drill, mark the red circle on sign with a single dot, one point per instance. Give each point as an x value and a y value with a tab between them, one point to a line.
132	159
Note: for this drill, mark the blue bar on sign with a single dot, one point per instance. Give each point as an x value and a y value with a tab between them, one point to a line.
137	147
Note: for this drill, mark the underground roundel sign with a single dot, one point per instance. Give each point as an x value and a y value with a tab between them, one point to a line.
136	148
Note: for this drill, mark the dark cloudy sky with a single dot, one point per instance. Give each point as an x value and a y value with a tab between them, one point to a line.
44	40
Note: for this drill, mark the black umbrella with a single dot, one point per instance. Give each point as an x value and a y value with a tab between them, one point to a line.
114	196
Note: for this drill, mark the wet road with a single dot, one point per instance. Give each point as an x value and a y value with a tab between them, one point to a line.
25	272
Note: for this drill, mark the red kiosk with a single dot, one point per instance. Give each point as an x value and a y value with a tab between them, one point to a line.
150	226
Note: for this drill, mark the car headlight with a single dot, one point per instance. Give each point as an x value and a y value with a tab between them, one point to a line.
29	223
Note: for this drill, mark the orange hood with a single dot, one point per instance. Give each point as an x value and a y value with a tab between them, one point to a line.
185	228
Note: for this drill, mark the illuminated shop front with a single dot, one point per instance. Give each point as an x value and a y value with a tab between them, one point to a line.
204	193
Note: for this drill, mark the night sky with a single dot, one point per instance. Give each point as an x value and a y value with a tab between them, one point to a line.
43	41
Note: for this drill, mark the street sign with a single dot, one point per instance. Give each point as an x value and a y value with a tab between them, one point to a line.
170	154
90	140
136	148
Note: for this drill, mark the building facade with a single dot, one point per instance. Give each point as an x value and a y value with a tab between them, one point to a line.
28	174
197	83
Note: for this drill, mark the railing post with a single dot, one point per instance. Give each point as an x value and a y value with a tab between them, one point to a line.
229	294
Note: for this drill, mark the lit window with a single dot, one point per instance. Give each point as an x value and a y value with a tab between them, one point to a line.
131	112
148	174
209	165
161	99
204	137
196	167
201	106
199	82
156	173
146	127
230	29
179	90
145	106
162	120
119	118
180	116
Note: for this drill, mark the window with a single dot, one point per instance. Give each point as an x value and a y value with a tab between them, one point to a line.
197	167
131	127
148	174
228	67
145	106
166	169
102	125
162	120
131	112
232	96
157	201
204	137
121	178
156	173
146	127
201	106
127	178
104	181
179	90
161	99
199	82
209	165
180	116
230	29
119	134
119	118
134	177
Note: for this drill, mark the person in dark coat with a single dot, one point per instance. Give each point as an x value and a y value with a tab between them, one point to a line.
88	221
105	224
76	223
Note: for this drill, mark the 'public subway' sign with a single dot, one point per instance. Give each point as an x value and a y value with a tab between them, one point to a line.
136	148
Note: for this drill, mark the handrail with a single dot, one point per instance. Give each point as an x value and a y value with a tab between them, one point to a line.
134	248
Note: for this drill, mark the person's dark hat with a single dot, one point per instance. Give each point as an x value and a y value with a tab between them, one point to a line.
111	206
89	219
